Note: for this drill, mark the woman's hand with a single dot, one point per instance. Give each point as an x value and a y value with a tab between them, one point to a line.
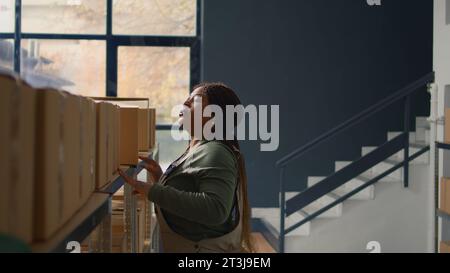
138	186
152	167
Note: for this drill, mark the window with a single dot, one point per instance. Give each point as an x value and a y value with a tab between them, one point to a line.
133	48
62	64
64	16
6	54
7	8
159	73
155	17
169	149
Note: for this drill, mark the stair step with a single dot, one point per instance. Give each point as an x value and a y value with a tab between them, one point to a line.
386	179
338	165
412	136
427	136
421	133
335	211
392	161
367	149
386	165
413	148
271	216
366	194
422	122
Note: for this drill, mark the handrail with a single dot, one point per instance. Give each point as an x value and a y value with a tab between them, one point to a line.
405	91
356	190
344	175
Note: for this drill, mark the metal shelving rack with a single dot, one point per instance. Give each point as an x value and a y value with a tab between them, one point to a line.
442	218
94	219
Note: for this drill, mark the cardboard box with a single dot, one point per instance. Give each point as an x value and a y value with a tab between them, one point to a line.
147	129
129	135
93	143
88	135
447	126
117	138
444	247
49	176
152	128
101	163
17	141
110	139
72	162
144	129
22	187
444	193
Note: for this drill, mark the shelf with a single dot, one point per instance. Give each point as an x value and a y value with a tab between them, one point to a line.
79	226
89	216
118	181
441	145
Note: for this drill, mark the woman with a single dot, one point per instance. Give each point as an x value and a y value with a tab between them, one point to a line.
201	200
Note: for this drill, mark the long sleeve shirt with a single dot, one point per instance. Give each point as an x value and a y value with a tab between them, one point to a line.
198	196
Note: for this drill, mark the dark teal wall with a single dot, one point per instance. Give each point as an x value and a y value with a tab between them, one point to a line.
322	61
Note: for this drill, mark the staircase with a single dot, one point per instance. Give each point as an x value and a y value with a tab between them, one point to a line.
336	197
270	217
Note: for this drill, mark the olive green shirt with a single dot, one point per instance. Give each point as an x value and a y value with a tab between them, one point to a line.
198	196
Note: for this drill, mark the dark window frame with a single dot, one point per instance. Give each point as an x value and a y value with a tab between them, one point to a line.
112	44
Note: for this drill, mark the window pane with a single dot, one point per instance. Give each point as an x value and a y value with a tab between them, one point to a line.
64	16
77	66
155	17
169	149
158	73
6	54
7	8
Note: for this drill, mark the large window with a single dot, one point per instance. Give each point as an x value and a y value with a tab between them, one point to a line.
77	66
127	48
160	73
7	16
156	17
6	54
64	16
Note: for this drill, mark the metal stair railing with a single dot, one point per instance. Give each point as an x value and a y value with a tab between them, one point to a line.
354	169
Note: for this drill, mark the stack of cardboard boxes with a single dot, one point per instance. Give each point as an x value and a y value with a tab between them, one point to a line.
65	158
56	149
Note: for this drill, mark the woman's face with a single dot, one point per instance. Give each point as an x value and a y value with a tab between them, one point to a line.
196	102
